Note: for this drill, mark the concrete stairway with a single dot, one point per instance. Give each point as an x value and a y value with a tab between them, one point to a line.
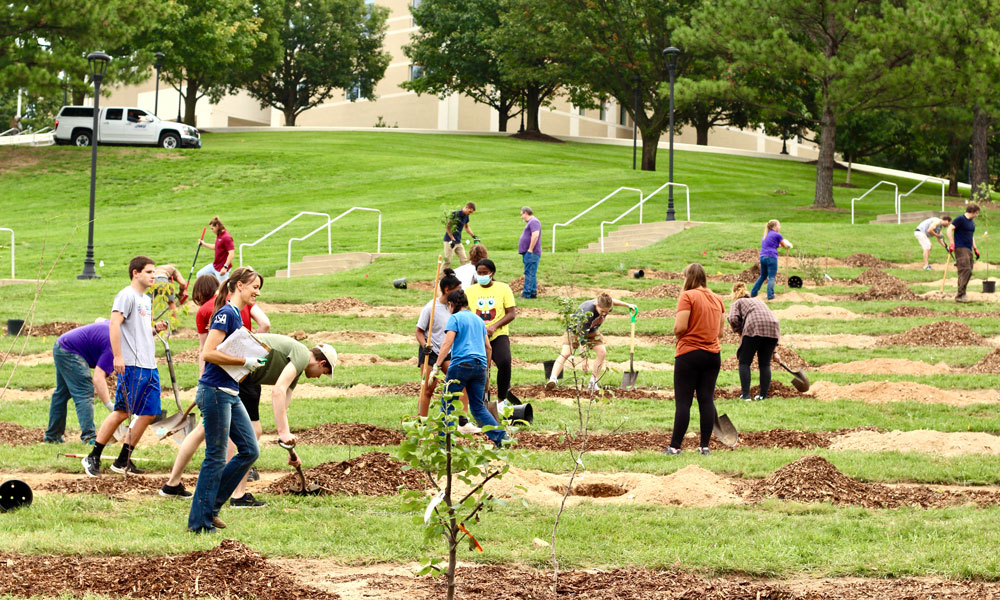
325	264
632	237
907	217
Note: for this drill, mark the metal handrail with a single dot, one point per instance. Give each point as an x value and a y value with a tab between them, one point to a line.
603	223
11	249
329	244
895	203
42	130
687	194
378	243
11	131
943	182
590	208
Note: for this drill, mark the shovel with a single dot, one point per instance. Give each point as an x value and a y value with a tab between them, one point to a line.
302	489
725	431
629	377
800	380
182	423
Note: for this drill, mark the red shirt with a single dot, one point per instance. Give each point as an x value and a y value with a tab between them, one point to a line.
204	315
223	244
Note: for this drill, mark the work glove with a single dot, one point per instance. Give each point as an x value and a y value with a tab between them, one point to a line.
951	248
254	362
475	239
453	243
435	371
428	349
976	252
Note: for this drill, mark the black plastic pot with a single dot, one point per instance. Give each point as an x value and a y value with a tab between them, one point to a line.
523	412
989	287
399	284
14	326
639	274
14	493
548	369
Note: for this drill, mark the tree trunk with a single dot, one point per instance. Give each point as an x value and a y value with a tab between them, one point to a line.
650	139
289	117
702	130
850	164
979	177
503	112
190	102
77	98
532	104
824	164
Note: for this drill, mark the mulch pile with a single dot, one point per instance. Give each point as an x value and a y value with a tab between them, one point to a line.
989	364
526	392
749	255
866	260
350	434
112	485
55	328
298	335
629	441
12	434
875	275
752	273
664	290
517	286
371	474
788	356
230	570
941	333
911	311
815	479
887	290
777	390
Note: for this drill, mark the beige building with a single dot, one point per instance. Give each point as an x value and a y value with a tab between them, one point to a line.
396	107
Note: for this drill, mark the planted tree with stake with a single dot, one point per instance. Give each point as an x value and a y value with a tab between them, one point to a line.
435	446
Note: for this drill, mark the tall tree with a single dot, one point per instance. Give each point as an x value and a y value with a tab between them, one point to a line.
322	45
866	134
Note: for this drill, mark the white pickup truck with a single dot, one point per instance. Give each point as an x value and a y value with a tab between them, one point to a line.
122	125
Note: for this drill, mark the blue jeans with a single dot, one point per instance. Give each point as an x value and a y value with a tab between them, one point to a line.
768	271
530	260
209	269
224	418
473	377
73	379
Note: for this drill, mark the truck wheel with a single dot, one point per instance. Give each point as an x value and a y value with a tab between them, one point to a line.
170	141
81	137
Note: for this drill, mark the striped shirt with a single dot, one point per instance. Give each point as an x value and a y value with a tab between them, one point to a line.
751	317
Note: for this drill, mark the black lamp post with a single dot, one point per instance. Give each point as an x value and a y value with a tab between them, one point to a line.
98	66
158	64
523	100
635	115
671	54
180	82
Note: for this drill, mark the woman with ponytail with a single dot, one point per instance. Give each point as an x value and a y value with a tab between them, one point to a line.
769	245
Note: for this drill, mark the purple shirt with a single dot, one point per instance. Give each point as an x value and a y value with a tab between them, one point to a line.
93	343
769	244
531	226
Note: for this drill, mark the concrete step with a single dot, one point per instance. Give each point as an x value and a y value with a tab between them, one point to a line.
907	217
651	226
329	263
369	256
633	237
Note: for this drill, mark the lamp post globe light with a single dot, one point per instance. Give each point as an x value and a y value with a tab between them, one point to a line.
671	53
635	115
98	66
158	64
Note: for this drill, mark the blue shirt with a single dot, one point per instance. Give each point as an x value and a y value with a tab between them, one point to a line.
227	319
769	244
93	343
469	347
461	219
964	228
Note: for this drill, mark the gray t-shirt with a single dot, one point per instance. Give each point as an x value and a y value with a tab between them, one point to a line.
138	349
441	314
922	228
592	319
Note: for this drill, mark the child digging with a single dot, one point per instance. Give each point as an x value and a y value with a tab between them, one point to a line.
594	312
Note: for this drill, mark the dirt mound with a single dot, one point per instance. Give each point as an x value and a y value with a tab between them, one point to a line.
56	328
111	485
941	333
875	275
787	355
777	390
989	364
517	286
751	274
883	366
866	260
887	290
230	570
930	442
801	311
910	311
12	434
567	391
298	335
186	357
744	256
335	305
880	392
350	434
664	290
629	441
371	474
656	274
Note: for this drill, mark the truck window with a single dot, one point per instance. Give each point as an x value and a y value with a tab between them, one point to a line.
135	115
113	114
77	111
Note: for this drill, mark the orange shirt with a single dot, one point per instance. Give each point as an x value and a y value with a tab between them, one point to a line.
703	323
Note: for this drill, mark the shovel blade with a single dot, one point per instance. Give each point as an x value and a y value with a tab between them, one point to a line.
801	381
628	379
725	431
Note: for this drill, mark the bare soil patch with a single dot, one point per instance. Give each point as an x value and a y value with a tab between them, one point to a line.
517	286
880	392
12	434
556	341
341	306
777	390
659	313
861	259
941	333
800	311
883	366
787	355
56	328
350	434
887	290
186	357
230	570
838	340
630	441
364	338
930	442
111	485
657	274
664	290
371	474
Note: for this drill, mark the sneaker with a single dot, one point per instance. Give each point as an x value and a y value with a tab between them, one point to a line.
253	475
92	466
704	451
469	429
746	398
218	523
758	398
963	299
130	468
550	385
671	451
928	268
175	491
247	501
59	440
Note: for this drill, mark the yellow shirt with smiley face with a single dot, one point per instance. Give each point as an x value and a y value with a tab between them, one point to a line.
491	304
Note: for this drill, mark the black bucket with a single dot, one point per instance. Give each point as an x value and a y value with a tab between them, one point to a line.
399	284
795	282
523	412
14	326
548	369
989	287
639	274
14	493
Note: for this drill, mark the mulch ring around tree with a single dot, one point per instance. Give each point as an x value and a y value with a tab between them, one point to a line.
989	363
867	260
941	333
112	485
629	441
55	328
371	474
815	479
875	275
230	570
12	434
748	255
350	434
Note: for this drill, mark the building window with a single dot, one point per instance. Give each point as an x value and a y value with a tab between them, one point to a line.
604	111
583	112
416	71
413	4
354	92
622	116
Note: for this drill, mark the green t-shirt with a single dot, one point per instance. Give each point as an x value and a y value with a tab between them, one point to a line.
284	350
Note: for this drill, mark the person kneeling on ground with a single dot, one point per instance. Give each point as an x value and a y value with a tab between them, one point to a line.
759	332
74	354
469	344
593	312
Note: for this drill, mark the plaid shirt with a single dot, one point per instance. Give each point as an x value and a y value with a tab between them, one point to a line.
751	317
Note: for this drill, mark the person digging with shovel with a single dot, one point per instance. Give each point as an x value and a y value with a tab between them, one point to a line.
759	332
594	312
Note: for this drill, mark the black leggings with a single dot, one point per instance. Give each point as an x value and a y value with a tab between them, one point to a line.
763	347
502	359
695	371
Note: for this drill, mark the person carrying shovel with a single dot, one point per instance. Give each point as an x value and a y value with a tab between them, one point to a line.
759	332
961	241
594	312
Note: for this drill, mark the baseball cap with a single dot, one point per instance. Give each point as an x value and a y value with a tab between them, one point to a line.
331	356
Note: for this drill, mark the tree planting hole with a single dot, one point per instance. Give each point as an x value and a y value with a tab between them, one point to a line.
596	490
